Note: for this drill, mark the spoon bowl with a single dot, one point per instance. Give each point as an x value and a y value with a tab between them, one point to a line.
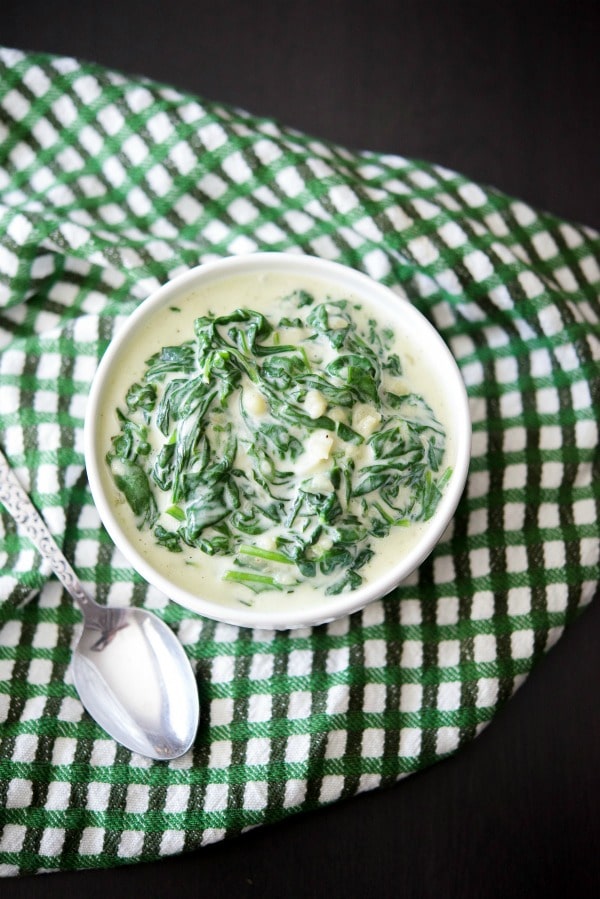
131	672
157	714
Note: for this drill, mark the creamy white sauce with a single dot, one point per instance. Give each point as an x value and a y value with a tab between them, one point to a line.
192	570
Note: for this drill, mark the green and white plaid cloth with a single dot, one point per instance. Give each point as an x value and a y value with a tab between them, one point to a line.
108	187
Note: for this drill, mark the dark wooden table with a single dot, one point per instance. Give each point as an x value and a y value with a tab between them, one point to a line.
507	94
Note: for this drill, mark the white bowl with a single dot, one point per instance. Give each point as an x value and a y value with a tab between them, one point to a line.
129	348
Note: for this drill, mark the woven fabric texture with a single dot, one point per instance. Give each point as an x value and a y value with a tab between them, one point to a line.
108	187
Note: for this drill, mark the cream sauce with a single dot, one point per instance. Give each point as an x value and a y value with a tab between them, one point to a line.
192	570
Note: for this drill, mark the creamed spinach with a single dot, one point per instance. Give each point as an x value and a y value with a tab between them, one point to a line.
288	444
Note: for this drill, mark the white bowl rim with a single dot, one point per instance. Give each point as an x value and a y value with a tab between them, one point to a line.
332	607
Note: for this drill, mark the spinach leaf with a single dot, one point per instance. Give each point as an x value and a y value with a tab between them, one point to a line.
133	483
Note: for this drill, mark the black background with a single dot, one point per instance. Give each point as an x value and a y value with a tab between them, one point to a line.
507	94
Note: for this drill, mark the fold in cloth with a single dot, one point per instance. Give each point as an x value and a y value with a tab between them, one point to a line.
108	187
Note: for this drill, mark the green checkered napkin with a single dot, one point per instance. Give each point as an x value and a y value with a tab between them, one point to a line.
108	187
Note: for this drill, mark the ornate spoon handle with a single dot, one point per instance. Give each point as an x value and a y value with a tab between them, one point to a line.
16	501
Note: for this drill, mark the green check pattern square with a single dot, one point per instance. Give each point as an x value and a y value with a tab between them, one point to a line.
108	187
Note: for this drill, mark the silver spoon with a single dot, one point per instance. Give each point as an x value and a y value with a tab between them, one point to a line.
131	672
